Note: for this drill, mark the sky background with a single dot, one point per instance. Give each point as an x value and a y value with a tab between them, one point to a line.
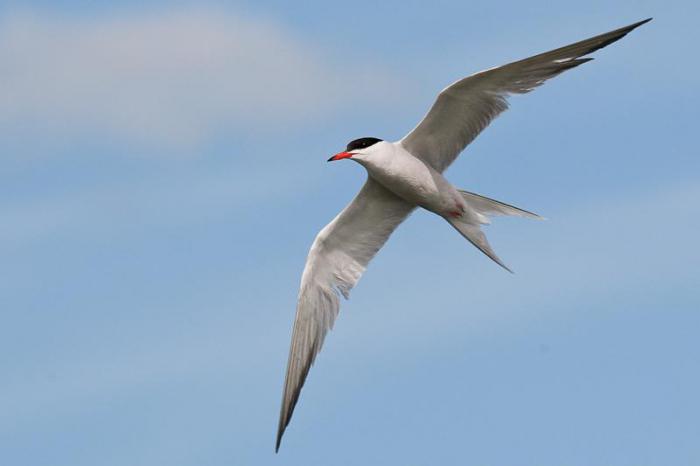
163	175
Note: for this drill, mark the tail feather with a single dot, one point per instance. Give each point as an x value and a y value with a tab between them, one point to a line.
469	225
488	206
477	237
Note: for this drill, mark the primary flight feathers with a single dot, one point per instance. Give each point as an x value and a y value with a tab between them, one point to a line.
465	108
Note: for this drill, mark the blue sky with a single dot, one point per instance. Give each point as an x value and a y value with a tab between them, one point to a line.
163	175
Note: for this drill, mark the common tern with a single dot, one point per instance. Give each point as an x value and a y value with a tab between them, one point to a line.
403	176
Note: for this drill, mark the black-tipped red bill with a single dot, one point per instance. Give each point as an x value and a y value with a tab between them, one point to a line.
340	155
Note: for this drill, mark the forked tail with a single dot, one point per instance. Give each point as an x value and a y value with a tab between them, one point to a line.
491	207
484	207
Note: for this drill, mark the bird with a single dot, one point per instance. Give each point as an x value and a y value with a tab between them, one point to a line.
406	175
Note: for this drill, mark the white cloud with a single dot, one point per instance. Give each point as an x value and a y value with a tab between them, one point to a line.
179	198
172	78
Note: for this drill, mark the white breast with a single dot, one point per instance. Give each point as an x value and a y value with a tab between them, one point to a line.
413	180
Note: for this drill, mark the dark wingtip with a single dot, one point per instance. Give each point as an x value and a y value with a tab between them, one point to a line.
637	24
627	29
278	442
280	433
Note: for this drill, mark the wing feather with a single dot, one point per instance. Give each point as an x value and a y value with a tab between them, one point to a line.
463	109
338	257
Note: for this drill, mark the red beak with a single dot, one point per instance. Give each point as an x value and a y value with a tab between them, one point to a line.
340	155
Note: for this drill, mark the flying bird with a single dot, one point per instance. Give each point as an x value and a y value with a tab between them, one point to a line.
403	176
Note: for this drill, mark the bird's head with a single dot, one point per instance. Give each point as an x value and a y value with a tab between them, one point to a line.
358	150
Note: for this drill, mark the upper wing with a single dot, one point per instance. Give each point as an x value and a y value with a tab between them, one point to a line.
337	259
465	108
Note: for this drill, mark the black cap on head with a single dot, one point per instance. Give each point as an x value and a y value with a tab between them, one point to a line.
361	143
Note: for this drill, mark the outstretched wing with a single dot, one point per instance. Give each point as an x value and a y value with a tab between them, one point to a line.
465	108
337	259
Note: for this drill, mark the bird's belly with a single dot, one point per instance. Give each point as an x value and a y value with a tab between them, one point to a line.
423	187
